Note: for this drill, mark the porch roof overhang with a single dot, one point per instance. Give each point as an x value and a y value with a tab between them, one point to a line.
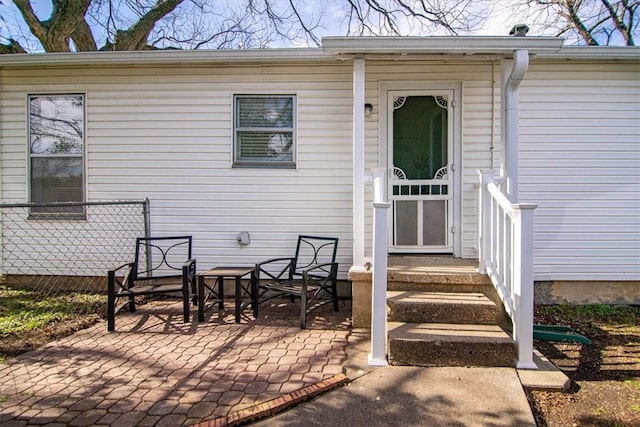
411	47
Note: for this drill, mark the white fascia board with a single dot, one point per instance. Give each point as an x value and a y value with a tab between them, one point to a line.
596	52
481	45
165	57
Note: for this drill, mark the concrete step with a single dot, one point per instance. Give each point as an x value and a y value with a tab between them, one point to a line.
441	307
430	276
437	281
441	344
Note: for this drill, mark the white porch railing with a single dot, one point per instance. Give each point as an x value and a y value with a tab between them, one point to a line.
378	355
505	244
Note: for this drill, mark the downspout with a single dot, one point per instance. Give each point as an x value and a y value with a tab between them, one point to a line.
519	68
492	147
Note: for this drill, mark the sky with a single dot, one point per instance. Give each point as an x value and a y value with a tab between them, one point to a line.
500	21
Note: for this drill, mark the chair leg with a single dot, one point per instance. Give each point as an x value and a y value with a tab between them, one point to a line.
111	302
334	295
188	285
185	303
303	305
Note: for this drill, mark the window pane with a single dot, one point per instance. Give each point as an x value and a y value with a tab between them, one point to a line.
265	130
263	112
56	124
265	146
56	179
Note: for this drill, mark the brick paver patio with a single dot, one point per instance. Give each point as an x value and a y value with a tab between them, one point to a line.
156	370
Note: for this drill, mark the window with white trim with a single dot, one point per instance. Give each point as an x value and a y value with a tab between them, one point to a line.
264	131
56	153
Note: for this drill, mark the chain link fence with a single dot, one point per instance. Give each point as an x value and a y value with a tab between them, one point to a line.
62	247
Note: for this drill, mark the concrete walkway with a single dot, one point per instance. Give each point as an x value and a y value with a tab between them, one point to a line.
155	370
411	396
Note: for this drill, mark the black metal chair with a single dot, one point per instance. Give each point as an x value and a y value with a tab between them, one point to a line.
310	275
162	265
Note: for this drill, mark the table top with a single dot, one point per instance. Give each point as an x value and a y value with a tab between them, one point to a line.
227	271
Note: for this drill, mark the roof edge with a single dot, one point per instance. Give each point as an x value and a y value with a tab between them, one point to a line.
595	52
499	45
164	56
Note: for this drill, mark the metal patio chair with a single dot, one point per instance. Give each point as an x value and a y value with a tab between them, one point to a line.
310	275
162	265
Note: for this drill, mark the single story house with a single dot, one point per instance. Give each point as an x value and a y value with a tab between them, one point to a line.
281	142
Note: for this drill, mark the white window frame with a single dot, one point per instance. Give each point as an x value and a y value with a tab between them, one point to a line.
67	212
237	130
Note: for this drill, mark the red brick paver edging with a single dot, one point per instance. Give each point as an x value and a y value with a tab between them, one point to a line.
274	406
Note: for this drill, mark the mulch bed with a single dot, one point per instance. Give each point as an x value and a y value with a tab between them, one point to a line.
605	375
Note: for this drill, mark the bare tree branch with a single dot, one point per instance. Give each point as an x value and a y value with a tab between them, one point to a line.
85	25
55	32
592	22
11	47
617	17
135	38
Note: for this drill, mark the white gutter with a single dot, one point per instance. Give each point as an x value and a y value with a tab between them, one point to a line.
595	52
165	57
519	67
489	45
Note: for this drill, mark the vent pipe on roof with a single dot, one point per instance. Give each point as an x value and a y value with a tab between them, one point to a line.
519	30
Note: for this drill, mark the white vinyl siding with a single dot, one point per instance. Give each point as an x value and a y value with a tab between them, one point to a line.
166	133
580	162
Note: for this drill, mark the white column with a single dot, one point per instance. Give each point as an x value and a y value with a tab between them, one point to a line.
358	161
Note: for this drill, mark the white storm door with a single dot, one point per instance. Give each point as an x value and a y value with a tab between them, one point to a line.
420	135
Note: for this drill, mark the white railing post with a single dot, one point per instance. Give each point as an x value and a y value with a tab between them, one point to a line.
523	284
378	355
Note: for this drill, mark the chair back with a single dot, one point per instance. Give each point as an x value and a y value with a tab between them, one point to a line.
158	257
314	250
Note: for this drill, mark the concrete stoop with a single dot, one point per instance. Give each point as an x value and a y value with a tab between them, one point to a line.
446	320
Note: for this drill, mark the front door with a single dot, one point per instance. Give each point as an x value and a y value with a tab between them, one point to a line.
421	187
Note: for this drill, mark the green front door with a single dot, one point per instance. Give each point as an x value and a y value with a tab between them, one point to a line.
421	187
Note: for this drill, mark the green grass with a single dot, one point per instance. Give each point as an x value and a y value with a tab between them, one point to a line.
23	310
597	313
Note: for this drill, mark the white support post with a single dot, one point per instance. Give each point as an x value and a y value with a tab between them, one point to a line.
358	161
523	285
483	220
378	355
